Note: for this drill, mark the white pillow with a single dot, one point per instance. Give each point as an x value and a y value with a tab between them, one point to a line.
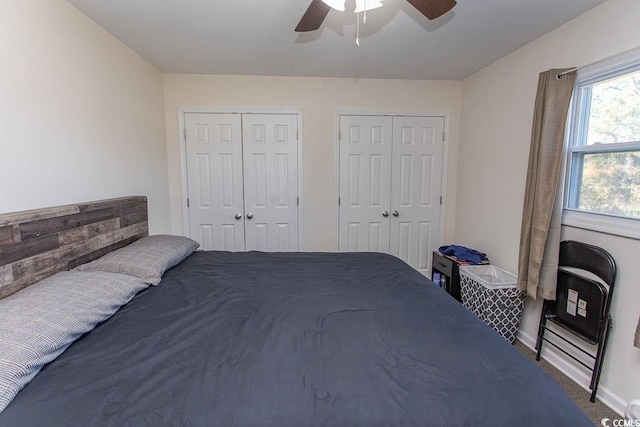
147	258
38	323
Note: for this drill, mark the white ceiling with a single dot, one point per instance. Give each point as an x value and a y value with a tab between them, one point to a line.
256	37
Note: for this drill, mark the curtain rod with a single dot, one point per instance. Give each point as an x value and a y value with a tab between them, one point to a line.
559	76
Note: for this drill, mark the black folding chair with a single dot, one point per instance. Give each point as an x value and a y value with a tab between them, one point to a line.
582	303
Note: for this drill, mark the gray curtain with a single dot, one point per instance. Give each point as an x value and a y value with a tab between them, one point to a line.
542	211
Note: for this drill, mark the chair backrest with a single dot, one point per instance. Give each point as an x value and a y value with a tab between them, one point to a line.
581	303
590	258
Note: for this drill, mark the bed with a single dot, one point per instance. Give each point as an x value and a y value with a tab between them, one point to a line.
278	339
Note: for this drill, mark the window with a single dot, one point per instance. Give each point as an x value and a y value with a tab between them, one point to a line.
603	162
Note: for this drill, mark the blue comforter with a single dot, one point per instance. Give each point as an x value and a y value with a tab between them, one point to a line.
302	339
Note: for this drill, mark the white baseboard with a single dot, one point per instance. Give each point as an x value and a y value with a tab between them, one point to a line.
580	377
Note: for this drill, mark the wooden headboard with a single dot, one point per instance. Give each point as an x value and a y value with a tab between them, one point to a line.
36	244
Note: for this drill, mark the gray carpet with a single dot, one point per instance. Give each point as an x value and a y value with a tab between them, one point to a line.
596	411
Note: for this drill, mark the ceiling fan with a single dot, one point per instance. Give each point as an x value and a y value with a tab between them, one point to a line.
319	9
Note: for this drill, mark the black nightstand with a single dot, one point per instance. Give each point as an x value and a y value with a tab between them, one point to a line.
448	268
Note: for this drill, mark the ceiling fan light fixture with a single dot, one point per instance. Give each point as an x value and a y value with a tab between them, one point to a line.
319	9
335	4
365	5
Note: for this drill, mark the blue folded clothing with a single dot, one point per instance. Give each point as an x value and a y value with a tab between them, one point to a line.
463	253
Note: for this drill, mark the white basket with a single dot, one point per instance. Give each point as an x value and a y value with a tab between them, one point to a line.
490	293
490	276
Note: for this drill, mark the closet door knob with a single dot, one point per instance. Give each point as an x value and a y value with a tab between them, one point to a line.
238	216
249	215
385	214
396	213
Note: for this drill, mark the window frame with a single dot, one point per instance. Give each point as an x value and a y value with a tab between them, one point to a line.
575	147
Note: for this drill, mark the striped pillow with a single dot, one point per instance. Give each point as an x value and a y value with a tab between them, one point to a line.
38	323
147	258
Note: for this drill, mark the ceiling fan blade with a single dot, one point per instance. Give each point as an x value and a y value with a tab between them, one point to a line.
313	17
433	8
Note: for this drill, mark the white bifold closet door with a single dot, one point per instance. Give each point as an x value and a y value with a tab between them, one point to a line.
242	177
270	153
365	183
214	179
390	186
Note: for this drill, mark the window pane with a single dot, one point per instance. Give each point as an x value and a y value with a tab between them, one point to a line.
614	115
610	183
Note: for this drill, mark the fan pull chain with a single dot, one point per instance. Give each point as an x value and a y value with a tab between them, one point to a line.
364	16
364	20
358	29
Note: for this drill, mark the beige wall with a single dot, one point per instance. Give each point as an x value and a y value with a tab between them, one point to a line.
318	98
497	110
81	114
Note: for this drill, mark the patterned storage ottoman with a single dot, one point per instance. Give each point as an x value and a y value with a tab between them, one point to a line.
490	293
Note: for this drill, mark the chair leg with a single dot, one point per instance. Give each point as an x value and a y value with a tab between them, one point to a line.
597	368
541	327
